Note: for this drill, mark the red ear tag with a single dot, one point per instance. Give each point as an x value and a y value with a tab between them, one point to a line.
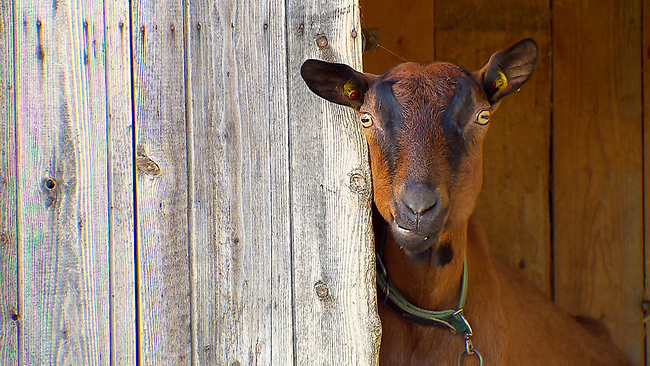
494	84
354	95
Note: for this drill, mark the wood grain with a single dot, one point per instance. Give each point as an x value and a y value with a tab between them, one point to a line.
121	171
514	203
597	171
645	61
8	192
406	28
62	208
239	184
333	276
162	183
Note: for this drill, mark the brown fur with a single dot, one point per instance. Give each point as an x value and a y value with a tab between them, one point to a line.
513	323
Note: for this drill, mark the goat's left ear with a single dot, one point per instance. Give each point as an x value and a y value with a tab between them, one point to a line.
507	70
337	83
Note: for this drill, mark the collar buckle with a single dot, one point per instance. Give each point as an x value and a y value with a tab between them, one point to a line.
461	324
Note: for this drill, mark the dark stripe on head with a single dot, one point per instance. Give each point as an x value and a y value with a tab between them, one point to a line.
456	116
390	113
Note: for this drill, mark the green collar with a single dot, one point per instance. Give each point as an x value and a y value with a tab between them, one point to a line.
451	319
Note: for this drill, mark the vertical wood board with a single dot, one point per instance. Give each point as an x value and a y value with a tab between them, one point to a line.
8	192
238	157
597	165
161	186
645	61
121	171
333	255
62	208
513	206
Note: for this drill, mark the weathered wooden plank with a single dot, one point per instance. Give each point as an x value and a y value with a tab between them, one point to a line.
406	28
239	188
645	57
62	191
333	276
121	172
514	203
597	165
161	184
8	192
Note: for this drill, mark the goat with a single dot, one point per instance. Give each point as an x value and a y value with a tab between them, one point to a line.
424	125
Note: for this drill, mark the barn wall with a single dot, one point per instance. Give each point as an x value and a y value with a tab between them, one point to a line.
61	188
8	199
598	165
172	193
562	197
120	168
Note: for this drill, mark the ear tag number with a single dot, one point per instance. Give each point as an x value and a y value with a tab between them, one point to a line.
349	89
501	81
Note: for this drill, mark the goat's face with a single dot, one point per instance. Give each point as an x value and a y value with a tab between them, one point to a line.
425	126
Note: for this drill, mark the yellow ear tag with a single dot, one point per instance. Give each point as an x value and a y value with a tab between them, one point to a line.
501	81
349	89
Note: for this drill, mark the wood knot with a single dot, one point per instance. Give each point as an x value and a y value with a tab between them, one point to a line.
147	166
321	41
322	291
50	184
358	182
354	33
4	238
49	189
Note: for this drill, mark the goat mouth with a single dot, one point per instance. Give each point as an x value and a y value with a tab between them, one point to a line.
412	242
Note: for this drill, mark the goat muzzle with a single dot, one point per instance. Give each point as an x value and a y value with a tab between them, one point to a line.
418	216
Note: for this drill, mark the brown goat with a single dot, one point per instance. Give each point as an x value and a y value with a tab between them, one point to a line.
425	125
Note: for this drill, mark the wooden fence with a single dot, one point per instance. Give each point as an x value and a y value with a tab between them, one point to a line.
566	159
172	193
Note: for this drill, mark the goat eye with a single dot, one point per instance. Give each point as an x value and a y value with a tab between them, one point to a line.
483	117
366	120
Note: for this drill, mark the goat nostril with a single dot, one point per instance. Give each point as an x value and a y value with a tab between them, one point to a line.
419	198
419	206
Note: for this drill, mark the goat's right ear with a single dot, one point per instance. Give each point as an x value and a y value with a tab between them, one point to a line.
337	83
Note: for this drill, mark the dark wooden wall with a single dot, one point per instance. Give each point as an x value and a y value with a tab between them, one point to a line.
563	193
